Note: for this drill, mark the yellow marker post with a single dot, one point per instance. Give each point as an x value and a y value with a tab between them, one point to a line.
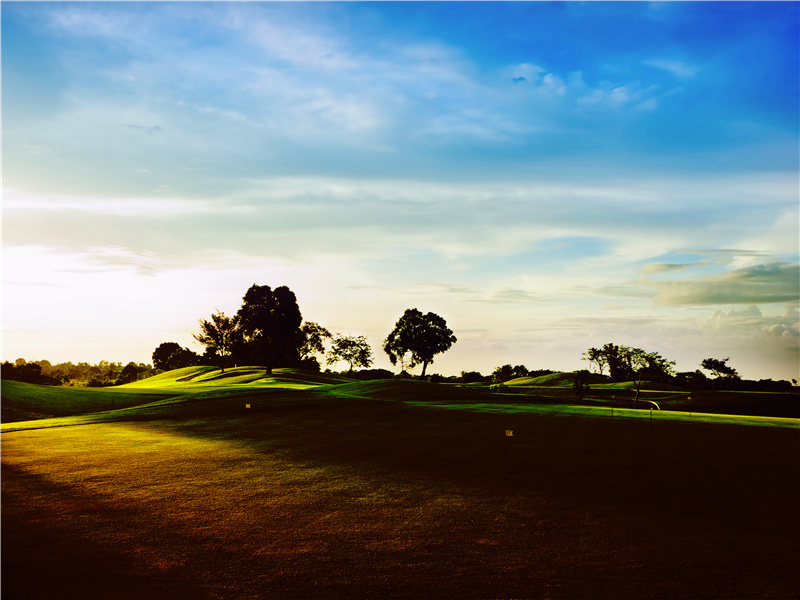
509	433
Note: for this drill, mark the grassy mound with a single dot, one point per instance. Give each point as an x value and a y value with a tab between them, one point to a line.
198	392
255	376
21	399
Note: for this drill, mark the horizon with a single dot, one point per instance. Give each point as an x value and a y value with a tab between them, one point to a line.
547	177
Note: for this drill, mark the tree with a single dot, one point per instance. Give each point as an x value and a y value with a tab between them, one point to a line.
581	383
162	354
129	374
423	336
312	337
218	335
166	357
596	356
520	371
353	350
507	372
719	369
647	365
632	364
270	319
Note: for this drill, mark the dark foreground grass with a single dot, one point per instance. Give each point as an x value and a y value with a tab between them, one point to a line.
362	498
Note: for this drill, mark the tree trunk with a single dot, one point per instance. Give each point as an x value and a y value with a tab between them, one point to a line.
424	366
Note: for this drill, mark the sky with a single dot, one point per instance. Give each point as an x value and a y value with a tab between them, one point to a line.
547	177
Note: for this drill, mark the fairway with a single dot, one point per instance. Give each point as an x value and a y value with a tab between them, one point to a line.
310	494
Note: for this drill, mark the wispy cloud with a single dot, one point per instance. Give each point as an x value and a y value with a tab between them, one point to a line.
761	284
369	156
680	69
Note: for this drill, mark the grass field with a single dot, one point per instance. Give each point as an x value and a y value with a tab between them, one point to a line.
325	489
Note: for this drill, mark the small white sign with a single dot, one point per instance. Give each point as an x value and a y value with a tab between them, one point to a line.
510	432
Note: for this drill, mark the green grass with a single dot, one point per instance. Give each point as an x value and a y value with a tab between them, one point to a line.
396	490
204	391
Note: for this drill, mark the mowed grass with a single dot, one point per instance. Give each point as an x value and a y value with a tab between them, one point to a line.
373	490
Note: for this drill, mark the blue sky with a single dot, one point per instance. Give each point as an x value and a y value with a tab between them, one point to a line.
545	176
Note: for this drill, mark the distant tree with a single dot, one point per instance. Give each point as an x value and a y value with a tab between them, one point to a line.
694	380
647	365
719	368
520	371
471	377
312	336
353	350
423	336
581	383
168	356
270	319
632	364
219	335
501	374
129	374
596	356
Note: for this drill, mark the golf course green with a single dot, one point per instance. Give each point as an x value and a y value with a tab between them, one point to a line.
202	484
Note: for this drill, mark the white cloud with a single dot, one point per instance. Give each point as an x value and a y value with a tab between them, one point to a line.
771	283
680	69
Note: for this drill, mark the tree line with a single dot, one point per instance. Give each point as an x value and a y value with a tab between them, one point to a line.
269	330
82	374
627	363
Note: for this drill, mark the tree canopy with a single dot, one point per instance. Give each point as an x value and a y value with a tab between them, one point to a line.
271	320
219	335
627	363
719	368
421	336
353	350
170	355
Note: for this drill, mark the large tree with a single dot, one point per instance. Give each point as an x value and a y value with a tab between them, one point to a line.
421	336
353	350
270	319
219	335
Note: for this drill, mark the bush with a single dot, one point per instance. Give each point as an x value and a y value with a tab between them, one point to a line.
370	374
472	377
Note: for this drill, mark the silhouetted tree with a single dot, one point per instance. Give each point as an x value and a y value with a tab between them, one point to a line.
219	335
694	380
162	353
719	368
507	372
312	336
520	371
169	356
581	382
596	356
646	365
423	336
271	319
472	377
632	364
353	350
